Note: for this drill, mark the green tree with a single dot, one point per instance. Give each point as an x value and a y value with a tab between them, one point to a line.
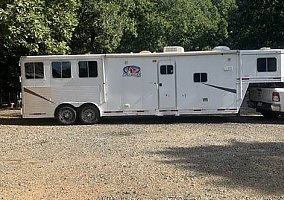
39	26
32	28
149	27
257	24
101	27
194	24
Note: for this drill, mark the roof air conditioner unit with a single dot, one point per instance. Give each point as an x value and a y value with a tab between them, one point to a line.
173	49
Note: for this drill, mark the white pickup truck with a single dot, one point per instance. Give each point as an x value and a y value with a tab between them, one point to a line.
268	99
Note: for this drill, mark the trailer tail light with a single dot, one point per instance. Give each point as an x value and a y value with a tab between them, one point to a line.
275	97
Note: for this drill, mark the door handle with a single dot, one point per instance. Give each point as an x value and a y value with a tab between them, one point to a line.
160	84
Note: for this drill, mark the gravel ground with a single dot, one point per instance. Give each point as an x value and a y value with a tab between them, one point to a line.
142	158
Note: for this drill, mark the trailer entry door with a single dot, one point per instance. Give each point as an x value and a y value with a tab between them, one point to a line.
167	85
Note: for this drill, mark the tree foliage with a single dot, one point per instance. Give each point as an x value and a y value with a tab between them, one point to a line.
258	23
101	27
39	26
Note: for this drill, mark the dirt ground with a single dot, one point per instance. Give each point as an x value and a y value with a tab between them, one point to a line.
142	158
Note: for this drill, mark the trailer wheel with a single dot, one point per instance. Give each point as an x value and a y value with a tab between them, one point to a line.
271	115
66	115
89	114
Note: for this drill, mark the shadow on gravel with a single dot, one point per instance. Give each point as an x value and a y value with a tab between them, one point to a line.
28	122
254	165
151	120
191	120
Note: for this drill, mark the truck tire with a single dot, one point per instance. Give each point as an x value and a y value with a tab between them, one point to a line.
66	114
88	114
270	114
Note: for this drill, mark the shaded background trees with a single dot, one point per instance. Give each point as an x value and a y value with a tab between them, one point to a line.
258	23
35	27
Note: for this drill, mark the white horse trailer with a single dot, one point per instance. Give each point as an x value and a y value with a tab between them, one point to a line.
174	82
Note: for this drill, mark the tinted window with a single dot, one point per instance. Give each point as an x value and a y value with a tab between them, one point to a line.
170	69
203	77
56	70
196	77
166	69
88	69
39	72
266	65
29	70
61	69
163	69
66	69
271	64
200	77
261	64
83	69
34	70
93	69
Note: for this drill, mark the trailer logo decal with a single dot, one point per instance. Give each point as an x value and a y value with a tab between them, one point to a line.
222	88
132	70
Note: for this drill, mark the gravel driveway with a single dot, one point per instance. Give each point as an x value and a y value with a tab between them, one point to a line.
142	158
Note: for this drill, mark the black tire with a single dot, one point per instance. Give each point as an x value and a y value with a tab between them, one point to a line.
89	114
66	115
270	114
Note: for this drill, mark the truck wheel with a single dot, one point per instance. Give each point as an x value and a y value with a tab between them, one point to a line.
89	114
268	114
66	115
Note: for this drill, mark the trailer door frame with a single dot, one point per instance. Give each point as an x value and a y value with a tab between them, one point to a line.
167	84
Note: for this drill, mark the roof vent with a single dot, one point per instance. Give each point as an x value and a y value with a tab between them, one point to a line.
265	48
145	51
173	49
221	48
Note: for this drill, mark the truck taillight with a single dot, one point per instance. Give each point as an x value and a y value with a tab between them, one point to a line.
275	97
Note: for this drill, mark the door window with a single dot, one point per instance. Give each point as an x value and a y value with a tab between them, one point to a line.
166	69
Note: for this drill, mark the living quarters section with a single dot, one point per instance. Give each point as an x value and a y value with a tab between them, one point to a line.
206	83
266	80
171	83
262	66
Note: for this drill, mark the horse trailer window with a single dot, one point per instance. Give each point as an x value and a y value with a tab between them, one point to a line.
266	65
66	69
34	70
200	77
88	69
61	69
